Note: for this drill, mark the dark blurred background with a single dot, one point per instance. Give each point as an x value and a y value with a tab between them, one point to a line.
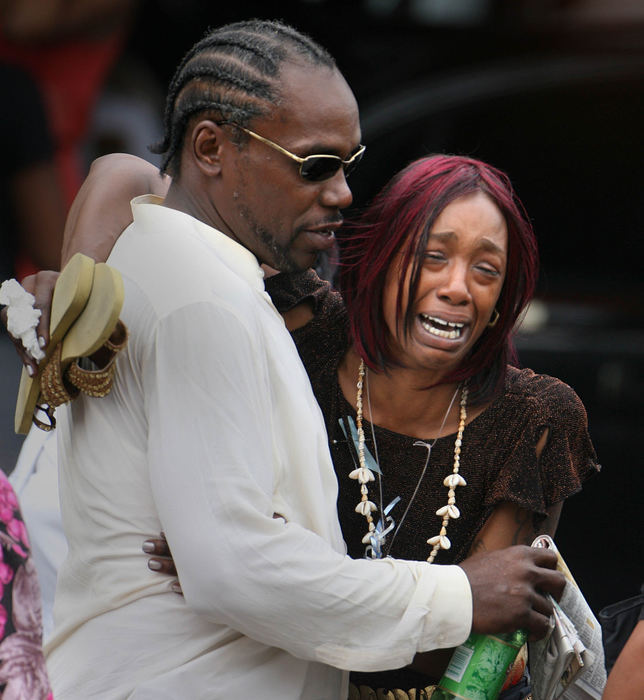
551	91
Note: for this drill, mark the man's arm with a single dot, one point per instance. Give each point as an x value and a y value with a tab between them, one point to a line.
274	581
507	526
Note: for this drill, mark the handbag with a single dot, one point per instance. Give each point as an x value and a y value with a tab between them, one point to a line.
618	620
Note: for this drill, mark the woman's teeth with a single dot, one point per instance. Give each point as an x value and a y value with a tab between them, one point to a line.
442	329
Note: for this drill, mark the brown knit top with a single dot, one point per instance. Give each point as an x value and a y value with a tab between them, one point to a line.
498	457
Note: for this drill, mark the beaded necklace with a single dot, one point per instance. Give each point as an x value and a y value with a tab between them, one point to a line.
364	475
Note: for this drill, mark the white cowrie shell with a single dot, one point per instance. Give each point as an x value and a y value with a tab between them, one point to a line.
454	480
450	510
362	475
440	540
365	507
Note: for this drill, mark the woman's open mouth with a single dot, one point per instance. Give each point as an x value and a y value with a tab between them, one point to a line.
441	328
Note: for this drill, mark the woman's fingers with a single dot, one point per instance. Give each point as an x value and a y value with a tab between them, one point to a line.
41	285
157	546
162	566
161	561
26	359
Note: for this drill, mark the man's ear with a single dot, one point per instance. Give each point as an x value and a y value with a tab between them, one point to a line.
207	140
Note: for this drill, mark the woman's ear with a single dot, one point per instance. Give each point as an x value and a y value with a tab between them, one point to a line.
207	140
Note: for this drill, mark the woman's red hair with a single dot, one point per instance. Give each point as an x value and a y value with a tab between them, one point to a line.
399	220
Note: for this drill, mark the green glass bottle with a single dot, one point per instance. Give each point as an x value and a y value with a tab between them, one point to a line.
478	668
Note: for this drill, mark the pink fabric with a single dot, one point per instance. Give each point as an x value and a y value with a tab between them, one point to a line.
22	665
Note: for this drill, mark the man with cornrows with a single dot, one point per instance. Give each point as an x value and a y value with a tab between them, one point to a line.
212	432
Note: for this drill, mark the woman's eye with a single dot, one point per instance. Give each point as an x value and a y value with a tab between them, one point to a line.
434	256
488	269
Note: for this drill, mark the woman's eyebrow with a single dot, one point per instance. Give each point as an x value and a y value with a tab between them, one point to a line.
484	243
442	235
491	246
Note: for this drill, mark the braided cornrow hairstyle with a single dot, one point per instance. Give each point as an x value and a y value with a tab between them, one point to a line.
233	74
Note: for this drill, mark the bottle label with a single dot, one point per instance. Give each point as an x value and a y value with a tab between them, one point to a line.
458	663
478	668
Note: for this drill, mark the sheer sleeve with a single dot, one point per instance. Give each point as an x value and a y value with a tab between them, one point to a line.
290	289
538	403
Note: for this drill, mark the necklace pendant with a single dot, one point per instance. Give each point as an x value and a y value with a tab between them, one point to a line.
377	539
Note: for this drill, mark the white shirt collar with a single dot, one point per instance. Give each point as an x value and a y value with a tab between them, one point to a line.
145	209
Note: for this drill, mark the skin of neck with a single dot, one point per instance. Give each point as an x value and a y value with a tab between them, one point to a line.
400	399
192	199
194	190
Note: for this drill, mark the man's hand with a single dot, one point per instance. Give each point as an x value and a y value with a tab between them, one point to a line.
41	285
508	588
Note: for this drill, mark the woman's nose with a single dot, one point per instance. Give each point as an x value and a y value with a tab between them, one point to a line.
454	288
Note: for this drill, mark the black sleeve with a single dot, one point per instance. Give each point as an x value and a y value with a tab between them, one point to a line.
323	340
290	289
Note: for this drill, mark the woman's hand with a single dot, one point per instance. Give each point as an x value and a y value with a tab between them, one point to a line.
97	217
41	285
161	562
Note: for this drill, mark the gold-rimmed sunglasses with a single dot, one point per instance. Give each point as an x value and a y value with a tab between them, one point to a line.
314	168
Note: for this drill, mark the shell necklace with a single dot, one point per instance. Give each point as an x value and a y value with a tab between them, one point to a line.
364	475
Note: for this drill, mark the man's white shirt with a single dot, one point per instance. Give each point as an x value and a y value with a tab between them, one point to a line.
211	430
